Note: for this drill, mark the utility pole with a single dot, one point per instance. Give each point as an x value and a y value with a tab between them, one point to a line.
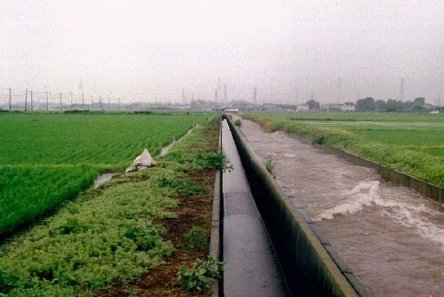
60	97
47	104
26	99
118	103
339	91
71	100
92	102
183	96
10	99
215	97
255	96
402	89
100	103
271	90
225	93
296	96
32	104
81	92
109	103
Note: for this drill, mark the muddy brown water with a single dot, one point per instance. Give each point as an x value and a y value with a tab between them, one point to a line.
391	237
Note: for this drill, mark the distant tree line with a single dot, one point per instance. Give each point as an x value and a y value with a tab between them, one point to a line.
370	104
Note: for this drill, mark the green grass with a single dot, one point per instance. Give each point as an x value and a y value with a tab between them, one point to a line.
46	158
106	236
409	142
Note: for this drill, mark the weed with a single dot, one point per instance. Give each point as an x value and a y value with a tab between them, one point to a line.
197	238
211	160
71	225
200	275
144	235
319	139
238	122
269	165
7	282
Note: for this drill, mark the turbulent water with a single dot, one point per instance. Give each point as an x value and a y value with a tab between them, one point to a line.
390	236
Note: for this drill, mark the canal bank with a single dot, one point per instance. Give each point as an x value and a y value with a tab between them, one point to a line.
388	236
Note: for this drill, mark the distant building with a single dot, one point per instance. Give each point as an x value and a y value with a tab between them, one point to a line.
347	106
231	110
302	107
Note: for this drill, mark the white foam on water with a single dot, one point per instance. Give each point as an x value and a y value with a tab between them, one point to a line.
424	220
421	218
364	194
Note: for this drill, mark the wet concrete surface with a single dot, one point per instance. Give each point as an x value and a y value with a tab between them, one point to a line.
251	268
391	237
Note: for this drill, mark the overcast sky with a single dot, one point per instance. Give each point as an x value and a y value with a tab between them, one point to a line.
139	49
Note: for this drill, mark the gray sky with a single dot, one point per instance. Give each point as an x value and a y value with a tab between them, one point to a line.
138	49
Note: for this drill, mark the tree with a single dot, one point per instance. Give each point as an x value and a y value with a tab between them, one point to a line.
394	105
367	104
380	105
419	101
313	104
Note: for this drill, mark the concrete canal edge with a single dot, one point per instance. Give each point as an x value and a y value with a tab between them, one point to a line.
310	266
215	249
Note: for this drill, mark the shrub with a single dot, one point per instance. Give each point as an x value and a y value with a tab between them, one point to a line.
319	139
145	236
200	275
197	238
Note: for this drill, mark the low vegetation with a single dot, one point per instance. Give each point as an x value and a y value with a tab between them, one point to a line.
411	143
200	275
107	238
47	158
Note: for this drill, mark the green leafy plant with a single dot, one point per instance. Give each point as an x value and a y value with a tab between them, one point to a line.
211	160
7	282
145	236
200	275
197	238
269	165
238	122
319	139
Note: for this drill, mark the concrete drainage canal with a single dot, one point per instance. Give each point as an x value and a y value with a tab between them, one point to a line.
269	248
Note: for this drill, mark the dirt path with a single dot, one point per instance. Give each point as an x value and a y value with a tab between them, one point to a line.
390	237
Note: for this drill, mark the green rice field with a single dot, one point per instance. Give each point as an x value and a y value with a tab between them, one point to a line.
409	142
47	158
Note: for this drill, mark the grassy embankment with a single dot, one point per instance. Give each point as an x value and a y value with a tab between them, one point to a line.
47	158
104	240
408	142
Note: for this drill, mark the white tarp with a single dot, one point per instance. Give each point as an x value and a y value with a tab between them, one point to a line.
141	162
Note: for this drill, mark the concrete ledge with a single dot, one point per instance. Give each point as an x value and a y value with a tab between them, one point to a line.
309	268
216	225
